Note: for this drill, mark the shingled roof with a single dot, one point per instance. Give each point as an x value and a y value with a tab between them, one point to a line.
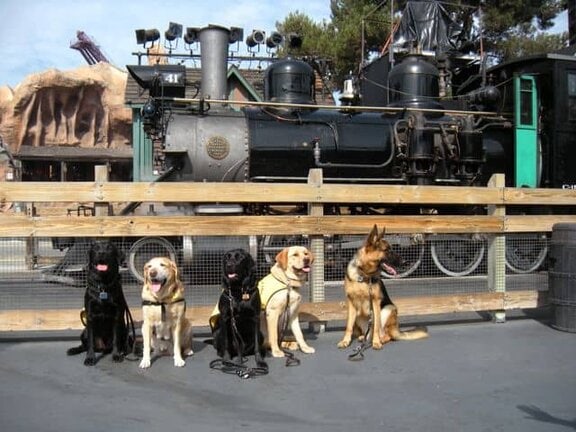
134	95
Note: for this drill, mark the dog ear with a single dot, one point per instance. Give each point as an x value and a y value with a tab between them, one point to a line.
311	256
282	258
174	268
373	236
381	235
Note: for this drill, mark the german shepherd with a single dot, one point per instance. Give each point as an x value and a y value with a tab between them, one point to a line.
366	295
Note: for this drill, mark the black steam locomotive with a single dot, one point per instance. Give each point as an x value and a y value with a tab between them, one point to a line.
426	114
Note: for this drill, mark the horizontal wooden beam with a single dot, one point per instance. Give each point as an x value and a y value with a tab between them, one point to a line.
126	226
245	192
114	226
278	193
69	319
540	223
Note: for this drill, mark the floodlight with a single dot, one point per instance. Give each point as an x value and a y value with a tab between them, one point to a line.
274	40
294	40
236	34
257	37
192	35
145	36
174	31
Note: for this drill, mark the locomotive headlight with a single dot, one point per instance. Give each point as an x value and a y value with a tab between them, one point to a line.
149	110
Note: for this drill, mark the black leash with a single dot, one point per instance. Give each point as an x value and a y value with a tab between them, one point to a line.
358	352
238	368
129	322
291	359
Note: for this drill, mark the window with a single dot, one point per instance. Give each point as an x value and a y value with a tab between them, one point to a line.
572	96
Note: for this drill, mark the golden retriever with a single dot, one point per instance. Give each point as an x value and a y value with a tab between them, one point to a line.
165	327
366	295
280	296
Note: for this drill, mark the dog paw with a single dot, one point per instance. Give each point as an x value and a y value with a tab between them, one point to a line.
344	343
90	361
377	345
178	362
278	353
118	358
307	349
145	363
188	353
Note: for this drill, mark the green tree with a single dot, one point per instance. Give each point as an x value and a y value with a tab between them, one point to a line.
358	28
514	28
340	40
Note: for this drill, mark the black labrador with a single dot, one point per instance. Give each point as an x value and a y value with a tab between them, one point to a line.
106	315
237	331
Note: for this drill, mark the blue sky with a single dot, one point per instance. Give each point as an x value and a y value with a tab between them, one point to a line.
36	35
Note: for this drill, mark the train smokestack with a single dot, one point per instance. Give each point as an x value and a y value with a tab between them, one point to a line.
214	42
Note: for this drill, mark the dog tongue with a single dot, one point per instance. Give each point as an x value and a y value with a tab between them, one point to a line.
306	269
156	286
232	275
389	269
102	267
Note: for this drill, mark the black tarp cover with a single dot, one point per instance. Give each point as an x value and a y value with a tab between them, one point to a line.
429	26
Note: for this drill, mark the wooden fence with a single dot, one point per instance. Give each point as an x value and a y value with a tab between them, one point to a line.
495	224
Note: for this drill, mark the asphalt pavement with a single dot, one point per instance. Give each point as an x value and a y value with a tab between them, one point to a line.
472	376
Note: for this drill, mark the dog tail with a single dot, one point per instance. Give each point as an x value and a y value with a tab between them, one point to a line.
408	335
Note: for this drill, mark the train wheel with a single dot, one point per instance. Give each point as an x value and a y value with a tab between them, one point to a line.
525	253
145	249
411	250
457	255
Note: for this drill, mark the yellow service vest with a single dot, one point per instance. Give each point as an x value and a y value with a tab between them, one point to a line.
268	287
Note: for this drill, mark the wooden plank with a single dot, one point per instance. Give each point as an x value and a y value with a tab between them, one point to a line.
525	299
278	193
542	197
69	319
530	223
410	224
61	226
245	192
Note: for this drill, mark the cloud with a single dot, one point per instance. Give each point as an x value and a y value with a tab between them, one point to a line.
37	35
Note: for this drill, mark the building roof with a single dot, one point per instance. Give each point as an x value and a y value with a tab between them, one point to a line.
251	79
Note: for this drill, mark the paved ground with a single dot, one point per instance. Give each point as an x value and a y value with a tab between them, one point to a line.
517	376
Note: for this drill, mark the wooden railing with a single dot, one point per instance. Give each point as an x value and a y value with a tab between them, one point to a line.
495	224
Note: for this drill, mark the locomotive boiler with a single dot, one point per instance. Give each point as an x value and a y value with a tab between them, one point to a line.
412	140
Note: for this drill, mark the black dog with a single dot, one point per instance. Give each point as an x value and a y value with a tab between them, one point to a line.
237	330
106	315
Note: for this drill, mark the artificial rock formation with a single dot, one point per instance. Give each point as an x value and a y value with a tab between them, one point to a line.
80	108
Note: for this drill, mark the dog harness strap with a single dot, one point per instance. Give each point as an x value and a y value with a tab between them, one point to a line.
163	305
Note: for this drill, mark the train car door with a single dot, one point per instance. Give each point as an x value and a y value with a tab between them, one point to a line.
526	160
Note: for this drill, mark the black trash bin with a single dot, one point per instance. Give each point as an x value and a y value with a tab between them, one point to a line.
562	276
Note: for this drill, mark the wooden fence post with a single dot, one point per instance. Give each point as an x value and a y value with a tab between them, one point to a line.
315	178
497	251
101	176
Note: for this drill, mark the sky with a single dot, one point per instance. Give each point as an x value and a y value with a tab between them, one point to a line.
36	35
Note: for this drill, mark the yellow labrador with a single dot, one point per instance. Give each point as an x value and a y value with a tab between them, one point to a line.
165	327
279	294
